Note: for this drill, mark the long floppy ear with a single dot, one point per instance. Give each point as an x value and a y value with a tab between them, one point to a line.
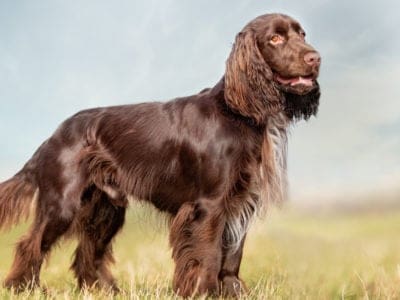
249	85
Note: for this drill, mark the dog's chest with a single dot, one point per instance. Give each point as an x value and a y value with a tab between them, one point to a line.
277	128
272	182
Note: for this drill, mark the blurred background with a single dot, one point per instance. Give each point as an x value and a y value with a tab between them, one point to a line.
59	57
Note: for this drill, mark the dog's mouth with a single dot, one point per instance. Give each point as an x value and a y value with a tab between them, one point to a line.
294	81
300	85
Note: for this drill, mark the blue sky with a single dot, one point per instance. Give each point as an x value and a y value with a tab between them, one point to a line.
58	57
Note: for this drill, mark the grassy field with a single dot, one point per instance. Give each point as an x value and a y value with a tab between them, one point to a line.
290	255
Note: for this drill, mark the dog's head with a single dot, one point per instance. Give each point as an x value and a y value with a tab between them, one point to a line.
272	68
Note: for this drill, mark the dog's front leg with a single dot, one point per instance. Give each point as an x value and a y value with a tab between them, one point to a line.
196	240
231	285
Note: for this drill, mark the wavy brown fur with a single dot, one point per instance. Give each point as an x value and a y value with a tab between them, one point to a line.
248	80
96	225
211	161
16	197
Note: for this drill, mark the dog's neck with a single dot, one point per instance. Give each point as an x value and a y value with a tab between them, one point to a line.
218	91
295	107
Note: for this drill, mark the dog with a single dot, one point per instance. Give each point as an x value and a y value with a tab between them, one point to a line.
210	161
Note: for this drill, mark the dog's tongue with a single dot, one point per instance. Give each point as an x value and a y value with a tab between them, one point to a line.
295	81
302	80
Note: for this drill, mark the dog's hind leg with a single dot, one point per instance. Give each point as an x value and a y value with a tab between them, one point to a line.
48	226
60	180
99	220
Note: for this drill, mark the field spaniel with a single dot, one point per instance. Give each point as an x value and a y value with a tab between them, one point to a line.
211	161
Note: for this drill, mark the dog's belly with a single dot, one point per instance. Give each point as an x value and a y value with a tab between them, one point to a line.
170	178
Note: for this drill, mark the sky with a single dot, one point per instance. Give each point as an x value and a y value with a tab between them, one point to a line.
59	57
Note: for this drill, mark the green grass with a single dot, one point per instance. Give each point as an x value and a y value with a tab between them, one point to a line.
289	255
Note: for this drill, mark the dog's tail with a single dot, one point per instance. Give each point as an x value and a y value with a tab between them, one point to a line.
16	195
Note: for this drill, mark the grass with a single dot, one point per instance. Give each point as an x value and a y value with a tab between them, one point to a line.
290	255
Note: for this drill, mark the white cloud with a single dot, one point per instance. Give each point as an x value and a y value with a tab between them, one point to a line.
57	58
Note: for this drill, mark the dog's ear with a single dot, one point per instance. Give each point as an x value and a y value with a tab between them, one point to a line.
249	85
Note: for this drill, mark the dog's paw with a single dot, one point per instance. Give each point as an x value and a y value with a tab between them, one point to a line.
232	286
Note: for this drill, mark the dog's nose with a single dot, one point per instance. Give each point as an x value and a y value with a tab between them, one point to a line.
312	59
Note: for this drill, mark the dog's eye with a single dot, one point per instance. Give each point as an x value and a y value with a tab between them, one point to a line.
303	34
276	39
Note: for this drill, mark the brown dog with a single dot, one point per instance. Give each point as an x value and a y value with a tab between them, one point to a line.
211	161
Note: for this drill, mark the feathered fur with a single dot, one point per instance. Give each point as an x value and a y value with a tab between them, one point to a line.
16	198
211	161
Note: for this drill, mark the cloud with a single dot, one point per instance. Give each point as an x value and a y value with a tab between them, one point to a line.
354	142
59	57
